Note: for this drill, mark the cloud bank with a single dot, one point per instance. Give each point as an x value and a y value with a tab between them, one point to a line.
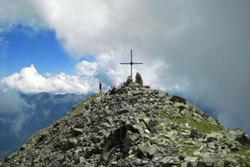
14	106
28	80
199	48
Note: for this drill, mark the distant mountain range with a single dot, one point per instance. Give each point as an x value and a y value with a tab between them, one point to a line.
42	110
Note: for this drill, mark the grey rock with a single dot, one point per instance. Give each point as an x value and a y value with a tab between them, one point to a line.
132	137
77	131
243	139
79	160
125	109
129	81
207	160
152	150
72	142
210	139
138	79
194	133
178	99
169	161
219	163
191	161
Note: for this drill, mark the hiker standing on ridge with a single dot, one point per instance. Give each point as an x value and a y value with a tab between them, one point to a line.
100	86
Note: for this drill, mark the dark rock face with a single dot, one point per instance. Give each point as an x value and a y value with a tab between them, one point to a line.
132	125
138	79
178	99
194	133
243	139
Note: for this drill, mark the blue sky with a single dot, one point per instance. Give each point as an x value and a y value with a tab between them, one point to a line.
34	60
25	47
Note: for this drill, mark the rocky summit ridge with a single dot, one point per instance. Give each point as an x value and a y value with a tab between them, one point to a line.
133	125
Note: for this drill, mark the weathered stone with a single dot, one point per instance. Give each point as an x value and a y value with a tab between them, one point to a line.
77	131
219	163
178	99
79	160
194	133
234	148
169	161
129	81
72	142
131	136
152	150
191	161
124	109
211	145
138	79
207	160
243	139
112	90
210	139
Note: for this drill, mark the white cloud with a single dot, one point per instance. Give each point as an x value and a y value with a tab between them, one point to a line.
109	64
18	12
87	69
28	80
202	53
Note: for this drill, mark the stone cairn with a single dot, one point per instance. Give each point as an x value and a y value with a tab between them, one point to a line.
138	79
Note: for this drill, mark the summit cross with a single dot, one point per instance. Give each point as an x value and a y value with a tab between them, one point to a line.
131	63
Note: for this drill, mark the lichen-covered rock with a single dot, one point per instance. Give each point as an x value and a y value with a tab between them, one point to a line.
132	125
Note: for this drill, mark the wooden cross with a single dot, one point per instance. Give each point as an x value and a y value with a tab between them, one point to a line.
131	63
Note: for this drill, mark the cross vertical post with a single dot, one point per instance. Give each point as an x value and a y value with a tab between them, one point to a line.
131	60
131	63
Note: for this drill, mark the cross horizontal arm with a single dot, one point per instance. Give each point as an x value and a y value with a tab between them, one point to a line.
137	63
124	63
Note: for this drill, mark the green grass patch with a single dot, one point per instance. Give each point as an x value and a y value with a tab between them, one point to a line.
81	106
201	124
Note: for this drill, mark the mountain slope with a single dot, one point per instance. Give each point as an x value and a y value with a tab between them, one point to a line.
133	125
42	110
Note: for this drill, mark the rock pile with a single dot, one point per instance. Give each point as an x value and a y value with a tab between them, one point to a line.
133	125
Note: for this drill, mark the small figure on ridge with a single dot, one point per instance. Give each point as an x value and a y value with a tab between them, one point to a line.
100	86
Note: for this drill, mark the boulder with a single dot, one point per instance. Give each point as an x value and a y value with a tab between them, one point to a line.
239	136
243	139
77	131
129	81
194	133
191	161
178	99
138	79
